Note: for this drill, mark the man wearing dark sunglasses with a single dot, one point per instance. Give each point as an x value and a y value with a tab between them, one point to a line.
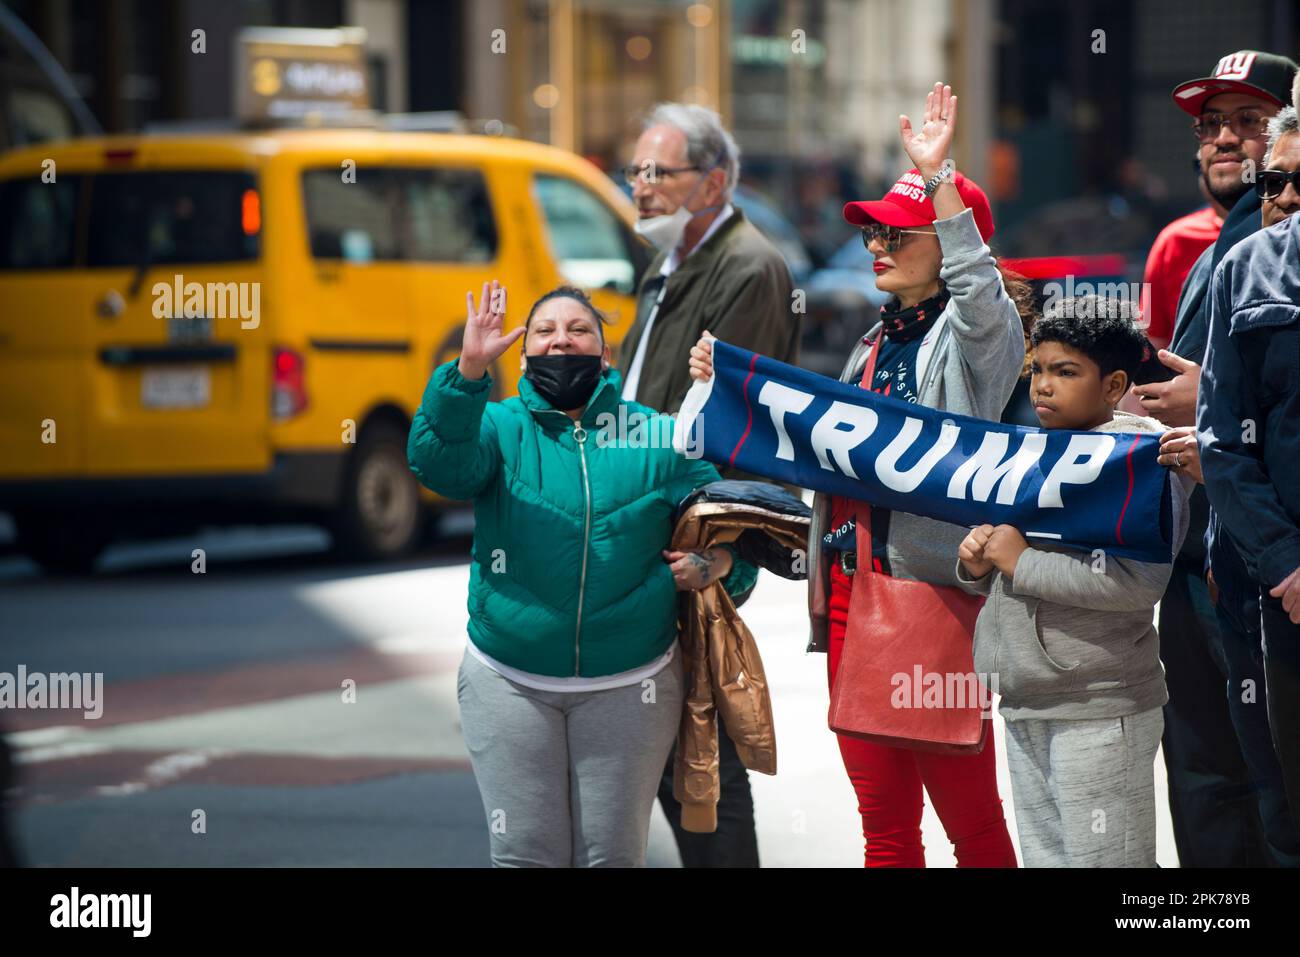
1225	790
1271	187
1278	184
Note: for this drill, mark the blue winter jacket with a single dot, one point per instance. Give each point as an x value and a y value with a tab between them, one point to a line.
1248	406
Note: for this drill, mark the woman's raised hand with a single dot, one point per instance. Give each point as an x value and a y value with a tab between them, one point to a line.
483	343
701	361
929	146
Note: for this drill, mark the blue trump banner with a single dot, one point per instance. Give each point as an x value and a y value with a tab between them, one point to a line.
1085	490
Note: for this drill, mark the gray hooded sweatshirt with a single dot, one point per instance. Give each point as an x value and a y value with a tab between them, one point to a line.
1071	635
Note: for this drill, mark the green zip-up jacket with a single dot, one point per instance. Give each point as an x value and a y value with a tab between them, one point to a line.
567	576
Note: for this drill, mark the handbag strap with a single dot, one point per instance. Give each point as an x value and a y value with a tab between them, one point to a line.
869	372
868	375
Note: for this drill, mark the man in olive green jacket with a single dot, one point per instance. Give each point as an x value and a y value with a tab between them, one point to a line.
714	272
735	285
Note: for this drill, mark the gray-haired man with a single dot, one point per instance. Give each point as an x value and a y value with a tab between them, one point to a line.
1276	183
714	272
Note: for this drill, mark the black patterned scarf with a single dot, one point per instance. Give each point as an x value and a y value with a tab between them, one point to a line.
904	324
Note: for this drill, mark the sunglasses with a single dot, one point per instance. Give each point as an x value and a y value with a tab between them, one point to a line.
1245	123
891	237
1269	183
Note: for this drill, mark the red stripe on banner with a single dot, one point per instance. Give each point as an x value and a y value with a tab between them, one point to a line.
1058	267
749	409
1119	526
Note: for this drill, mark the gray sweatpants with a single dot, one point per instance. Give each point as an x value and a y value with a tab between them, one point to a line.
1084	791
568	778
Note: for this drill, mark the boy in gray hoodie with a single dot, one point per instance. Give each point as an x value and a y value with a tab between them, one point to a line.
1069	634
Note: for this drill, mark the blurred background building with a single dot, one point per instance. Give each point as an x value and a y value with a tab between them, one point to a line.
1065	107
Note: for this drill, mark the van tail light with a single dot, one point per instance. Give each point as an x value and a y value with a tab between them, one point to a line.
288	393
250	212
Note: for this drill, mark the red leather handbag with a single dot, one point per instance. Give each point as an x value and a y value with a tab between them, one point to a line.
901	630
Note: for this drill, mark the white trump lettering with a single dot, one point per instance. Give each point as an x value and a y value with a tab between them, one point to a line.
781	399
887	461
985	468
829	439
1080	464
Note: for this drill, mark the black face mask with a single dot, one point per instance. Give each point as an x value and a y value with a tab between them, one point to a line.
565	381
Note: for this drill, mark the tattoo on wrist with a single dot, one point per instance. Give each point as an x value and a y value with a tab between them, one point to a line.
703	563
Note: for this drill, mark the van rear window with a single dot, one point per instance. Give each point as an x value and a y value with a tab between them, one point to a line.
170	217
38	227
419	215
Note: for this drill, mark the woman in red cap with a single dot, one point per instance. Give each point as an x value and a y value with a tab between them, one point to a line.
952	338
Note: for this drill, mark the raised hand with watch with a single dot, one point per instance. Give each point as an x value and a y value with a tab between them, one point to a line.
928	148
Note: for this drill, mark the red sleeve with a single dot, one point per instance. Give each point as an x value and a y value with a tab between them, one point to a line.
1166	284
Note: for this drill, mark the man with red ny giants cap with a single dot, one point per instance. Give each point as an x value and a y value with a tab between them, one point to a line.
1226	794
1244	90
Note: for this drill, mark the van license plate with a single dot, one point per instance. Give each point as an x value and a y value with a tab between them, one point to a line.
184	388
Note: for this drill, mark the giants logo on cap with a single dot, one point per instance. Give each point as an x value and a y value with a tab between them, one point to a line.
1235	66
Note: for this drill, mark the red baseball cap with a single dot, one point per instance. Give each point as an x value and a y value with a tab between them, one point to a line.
906	205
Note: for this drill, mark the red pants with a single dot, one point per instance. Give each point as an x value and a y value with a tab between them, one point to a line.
888	783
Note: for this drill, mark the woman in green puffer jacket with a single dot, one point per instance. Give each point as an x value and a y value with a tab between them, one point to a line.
570	689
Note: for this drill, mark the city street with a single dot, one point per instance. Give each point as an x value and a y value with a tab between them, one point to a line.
224	693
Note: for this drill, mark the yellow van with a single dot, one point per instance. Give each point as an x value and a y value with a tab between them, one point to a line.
200	329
